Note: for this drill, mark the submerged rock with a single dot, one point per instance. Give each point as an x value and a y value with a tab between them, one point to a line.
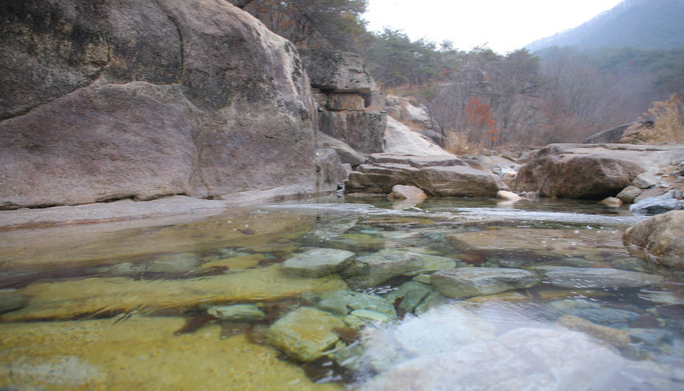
305	333
469	282
574	277
67	299
522	359
557	242
441	330
341	302
174	263
658	240
317	262
412	294
374	269
140	353
607	316
615	337
237	313
11	301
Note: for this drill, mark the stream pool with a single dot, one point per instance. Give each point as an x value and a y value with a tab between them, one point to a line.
204	302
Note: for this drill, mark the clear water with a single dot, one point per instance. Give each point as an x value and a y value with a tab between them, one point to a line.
126	305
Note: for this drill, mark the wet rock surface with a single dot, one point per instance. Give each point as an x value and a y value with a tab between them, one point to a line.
469	282
230	292
317	262
305	333
139	353
470	366
571	277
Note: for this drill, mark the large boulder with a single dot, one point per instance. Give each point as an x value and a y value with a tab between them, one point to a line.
590	171
658	240
439	176
119	99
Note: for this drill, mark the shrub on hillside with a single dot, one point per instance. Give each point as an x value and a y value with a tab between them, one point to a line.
668	119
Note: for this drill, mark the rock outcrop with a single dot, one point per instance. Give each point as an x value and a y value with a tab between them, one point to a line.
415	116
401	140
438	176
349	105
658	240
120	99
593	171
619	133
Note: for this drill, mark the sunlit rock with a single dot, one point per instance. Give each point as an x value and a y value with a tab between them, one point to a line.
469	282
305	333
574	277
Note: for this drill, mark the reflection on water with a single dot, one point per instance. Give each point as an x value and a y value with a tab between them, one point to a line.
203	303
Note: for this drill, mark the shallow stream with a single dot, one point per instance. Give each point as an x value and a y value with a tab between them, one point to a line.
190	302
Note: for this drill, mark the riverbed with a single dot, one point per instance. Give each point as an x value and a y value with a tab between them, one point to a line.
150	303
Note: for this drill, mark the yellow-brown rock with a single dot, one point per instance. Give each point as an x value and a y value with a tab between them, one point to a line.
140	353
91	296
616	337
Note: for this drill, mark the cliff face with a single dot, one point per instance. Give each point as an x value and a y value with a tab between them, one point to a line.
113	99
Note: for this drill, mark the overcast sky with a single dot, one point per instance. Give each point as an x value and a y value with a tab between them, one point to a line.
504	25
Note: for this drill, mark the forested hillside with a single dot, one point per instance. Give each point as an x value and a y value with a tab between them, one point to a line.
647	24
485	99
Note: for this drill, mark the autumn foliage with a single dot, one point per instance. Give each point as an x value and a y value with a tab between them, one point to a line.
480	120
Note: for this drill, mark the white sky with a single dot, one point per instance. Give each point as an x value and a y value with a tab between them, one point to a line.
504	25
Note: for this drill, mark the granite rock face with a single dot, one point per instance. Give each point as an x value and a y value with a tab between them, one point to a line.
120	99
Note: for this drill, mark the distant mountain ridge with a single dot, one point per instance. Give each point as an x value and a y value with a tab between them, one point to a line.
647	24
